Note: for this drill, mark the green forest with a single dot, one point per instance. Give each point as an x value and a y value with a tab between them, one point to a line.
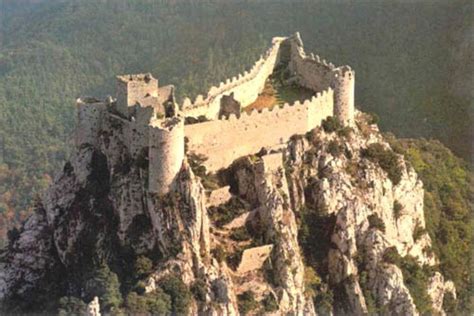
413	63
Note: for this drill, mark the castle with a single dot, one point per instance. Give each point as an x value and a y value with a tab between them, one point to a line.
215	125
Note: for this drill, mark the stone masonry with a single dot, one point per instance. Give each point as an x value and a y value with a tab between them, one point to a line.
154	123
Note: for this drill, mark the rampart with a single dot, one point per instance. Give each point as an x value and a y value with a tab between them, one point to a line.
311	71
246	87
152	121
222	141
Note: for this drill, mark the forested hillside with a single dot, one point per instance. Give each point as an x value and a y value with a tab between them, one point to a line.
412	63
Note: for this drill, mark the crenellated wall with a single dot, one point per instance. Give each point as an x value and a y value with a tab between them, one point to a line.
222	141
311	71
246	87
131	89
142	106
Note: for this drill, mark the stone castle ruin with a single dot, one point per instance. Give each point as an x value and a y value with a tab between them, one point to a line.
216	125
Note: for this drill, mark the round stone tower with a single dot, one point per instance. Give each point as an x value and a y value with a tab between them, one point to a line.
89	113
344	81
165	153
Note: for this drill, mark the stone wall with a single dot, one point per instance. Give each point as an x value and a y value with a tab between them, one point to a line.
246	87
317	74
311	71
222	141
131	89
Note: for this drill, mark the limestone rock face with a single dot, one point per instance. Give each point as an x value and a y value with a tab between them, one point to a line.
263	184
356	192
99	209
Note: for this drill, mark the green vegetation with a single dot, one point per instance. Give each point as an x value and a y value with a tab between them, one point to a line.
154	303
314	237
246	302
105	284
335	148
198	289
376	222
143	266
331	124
397	208
49	56
179	293
209	181
370	300
416	278
240	234
448	209
225	213
269	303
386	159
70	305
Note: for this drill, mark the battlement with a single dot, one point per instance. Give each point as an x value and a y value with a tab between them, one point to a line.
133	89
152	122
245	87
225	140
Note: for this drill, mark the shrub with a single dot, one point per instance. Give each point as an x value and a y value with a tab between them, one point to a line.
416	279
199	290
240	234
334	148
269	303
105	284
311	282
324	300
70	305
179	293
373	118
246	302
397	208
370	300
386	159
418	232
345	131
226	212
392	256
219	253
154	303
376	222
331	124
233	260
450	305
143	266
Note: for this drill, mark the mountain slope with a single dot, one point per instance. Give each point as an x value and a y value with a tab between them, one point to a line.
312	227
57	50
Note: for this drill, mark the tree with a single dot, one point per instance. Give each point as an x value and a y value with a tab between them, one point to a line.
105	284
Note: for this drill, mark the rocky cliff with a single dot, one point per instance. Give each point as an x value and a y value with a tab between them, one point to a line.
330	223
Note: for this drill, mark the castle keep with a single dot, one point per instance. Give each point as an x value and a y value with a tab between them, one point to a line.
217	125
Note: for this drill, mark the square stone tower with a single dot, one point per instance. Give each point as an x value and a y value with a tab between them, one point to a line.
135	88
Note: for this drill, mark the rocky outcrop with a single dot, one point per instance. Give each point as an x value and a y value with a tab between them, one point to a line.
372	213
365	222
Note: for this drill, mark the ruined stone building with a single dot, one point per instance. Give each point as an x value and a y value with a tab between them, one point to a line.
156	127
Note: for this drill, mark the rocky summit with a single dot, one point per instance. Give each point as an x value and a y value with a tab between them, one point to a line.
147	217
